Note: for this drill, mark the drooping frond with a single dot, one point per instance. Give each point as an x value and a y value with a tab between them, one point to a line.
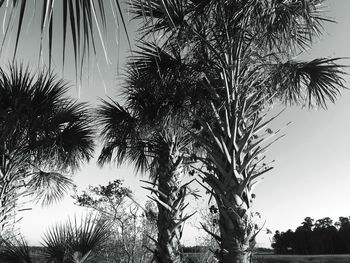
38	118
49	187
312	83
121	136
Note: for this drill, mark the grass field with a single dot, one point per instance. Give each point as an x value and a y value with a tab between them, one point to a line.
302	259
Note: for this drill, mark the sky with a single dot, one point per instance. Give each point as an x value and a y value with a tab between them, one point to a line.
312	162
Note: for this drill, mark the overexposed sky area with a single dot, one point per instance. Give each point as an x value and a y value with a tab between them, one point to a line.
312	162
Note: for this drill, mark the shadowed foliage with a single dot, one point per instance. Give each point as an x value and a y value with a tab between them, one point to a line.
44	136
75	241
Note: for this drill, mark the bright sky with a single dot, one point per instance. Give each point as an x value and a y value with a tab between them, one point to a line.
312	168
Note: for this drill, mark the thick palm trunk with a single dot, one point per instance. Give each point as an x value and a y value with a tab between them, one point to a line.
169	234
170	214
236	240
171	192
234	164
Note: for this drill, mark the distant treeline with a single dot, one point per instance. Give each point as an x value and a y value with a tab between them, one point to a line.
321	237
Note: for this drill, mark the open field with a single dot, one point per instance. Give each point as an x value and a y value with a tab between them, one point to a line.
302	259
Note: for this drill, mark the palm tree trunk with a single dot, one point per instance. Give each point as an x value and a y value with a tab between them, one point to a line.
171	196
234	164
236	245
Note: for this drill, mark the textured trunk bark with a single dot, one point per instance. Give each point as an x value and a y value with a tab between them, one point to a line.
235	245
235	252
169	231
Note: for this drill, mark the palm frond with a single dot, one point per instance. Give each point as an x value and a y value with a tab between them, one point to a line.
168	16
75	241
17	251
160	82
49	122
49	187
87	236
289	24
312	83
85	20
55	243
121	136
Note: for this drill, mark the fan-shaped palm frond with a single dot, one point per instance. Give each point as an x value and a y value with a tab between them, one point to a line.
314	82
49	187
90	234
40	129
55	243
38	119
17	251
162	82
75	241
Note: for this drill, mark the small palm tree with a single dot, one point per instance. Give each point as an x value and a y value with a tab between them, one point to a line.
43	134
74	241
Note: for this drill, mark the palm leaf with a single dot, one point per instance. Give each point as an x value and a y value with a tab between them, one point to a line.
121	136
314	82
87	22
87	237
17	251
55	243
49	187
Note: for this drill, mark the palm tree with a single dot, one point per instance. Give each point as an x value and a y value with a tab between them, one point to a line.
247	49
73	242
147	133
76	242
43	135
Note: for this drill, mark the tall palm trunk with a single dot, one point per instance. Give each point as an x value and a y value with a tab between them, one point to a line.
171	192
235	148
236	238
169	233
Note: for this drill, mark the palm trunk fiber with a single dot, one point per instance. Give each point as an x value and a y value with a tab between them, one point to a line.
170	213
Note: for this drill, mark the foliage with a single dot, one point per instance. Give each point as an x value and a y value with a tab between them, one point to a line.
321	237
130	225
16	251
43	136
75	241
